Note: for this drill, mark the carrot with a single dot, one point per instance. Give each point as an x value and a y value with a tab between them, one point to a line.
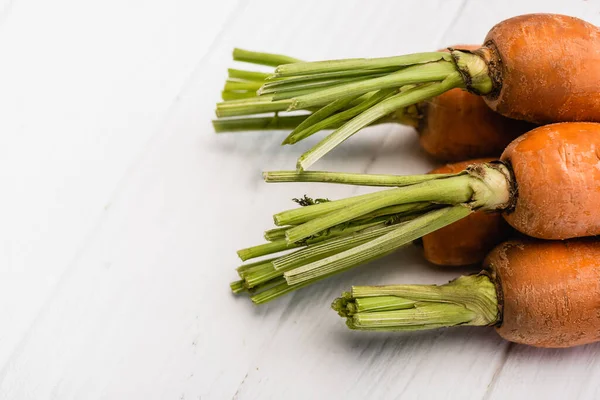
467	241
454	126
539	293
546	185
541	68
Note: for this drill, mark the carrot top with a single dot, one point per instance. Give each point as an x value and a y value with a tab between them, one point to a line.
468	300
333	236
346	95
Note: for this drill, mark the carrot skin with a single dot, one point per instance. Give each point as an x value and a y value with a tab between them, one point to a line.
469	240
549	291
549	68
557	170
458	125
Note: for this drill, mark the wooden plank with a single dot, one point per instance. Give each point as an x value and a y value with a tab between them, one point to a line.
135	295
145	311
84	88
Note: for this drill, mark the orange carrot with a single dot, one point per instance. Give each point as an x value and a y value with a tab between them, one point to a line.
547	185
539	293
541	68
469	240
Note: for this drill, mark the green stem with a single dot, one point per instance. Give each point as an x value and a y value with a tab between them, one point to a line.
329	247
276	291
379	110
349	178
433	72
318	67
286	87
468	300
301	215
453	190
266	248
242	270
258	123
279	245
235	85
237	286
268	59
247	75
338	235
276	233
273	81
255	105
339	118
376	248
230	96
332	244
319	116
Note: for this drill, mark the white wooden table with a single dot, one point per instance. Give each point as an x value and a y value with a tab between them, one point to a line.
121	211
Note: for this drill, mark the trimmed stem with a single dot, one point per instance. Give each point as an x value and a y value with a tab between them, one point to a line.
339	235
269	59
383	245
232	85
454	190
318	116
349	178
247	75
468	300
318	67
298	216
481	186
339	118
374	113
255	105
276	233
433	72
232	95
329	247
258	123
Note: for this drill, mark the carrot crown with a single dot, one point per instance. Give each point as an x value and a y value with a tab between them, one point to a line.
333	236
468	300
346	95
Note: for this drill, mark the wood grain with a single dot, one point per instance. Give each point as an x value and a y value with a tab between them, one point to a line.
122	211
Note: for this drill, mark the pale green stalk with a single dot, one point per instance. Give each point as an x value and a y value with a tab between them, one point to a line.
417	74
258	123
468	300
247	75
255	105
269	59
237	85
449	191
320	115
376	248
318	67
379	110
338	118
349	178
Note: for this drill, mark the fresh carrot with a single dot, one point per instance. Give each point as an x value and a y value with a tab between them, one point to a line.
541	68
540	293
546	185
454	126
469	240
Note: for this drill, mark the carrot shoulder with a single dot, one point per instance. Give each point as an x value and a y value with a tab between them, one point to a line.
548	66
557	173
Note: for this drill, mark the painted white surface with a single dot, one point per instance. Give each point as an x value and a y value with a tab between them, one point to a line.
122	211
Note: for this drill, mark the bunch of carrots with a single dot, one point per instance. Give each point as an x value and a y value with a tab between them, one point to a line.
519	117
